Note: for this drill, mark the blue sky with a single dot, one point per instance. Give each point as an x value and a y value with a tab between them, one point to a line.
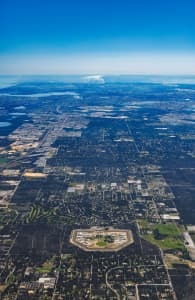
110	36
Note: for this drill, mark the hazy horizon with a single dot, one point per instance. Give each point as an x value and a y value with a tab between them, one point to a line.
113	64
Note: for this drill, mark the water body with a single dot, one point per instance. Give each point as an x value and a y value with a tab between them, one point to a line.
5	124
21	107
17	114
39	95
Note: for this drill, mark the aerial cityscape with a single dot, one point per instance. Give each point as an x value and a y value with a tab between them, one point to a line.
97	190
97	150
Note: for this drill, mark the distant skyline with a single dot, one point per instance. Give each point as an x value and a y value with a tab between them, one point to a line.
97	37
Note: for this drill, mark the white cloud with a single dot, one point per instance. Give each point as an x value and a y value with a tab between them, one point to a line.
94	79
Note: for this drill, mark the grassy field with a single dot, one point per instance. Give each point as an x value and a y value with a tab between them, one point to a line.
168	229
47	267
168	243
165	236
101	244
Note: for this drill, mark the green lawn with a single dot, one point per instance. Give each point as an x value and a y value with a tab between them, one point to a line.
101	244
168	229
44	269
47	267
168	243
169	236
